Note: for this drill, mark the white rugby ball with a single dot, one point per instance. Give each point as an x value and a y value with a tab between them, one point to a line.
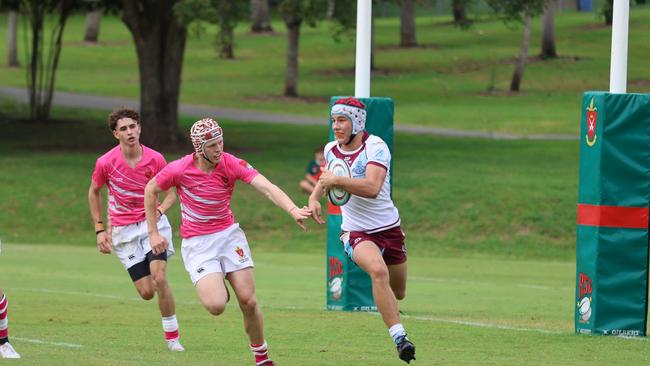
338	196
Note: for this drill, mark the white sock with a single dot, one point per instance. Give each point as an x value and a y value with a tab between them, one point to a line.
397	331
170	327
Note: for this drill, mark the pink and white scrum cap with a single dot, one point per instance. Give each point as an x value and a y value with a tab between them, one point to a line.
354	110
203	131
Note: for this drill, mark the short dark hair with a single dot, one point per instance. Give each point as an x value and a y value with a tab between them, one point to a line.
120	113
320	149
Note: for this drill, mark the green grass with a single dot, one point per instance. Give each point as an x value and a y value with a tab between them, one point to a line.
457	197
441	84
458	312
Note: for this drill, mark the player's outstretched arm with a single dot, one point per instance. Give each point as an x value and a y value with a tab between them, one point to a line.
280	199
314	203
158	242
95	205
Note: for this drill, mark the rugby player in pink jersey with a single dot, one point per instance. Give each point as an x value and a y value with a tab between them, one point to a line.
371	232
214	247
126	169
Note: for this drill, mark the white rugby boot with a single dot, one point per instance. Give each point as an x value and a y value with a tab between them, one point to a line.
7	351
175	345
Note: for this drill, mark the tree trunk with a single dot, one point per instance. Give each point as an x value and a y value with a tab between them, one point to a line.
548	31
407	24
331	8
458	9
12	46
92	26
41	72
160	43
226	40
260	19
523	53
608	11
291	76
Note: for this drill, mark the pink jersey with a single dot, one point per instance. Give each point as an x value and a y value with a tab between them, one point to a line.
126	184
205	198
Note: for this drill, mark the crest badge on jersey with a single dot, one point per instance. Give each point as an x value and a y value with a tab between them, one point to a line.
592	120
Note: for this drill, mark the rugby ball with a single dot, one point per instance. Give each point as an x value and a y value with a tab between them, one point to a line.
338	196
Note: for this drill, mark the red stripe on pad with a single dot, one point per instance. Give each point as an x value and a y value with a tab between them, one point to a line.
333	209
171	335
4	333
613	216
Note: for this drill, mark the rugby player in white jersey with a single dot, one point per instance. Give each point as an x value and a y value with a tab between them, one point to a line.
214	247
126	169
371	230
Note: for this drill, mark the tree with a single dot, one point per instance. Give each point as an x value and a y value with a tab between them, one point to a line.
407	24
260	18
160	43
519	11
91	34
224	13
548	31
12	44
295	13
43	57
459	11
607	11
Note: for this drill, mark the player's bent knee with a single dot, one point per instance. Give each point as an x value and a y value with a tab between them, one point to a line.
159	279
216	308
146	294
378	273
248	303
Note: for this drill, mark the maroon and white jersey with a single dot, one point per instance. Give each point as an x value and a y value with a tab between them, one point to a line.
367	214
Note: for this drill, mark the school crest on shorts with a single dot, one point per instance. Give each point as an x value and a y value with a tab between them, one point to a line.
242	255
592	119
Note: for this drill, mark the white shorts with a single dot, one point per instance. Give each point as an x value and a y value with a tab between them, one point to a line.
131	242
221	252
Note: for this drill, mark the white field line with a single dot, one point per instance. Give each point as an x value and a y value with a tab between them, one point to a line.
481	324
38	341
414	317
466	282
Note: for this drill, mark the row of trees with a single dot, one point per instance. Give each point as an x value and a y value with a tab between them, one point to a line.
159	29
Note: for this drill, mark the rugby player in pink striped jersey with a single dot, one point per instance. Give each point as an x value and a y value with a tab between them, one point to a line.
126	169
214	248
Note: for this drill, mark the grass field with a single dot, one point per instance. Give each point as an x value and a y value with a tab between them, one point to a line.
444	83
457	197
490	224
490	228
72	305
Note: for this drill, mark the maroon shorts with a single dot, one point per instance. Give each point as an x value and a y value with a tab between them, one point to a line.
390	242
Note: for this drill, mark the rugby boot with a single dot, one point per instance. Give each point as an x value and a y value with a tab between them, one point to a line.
8	351
405	349
175	345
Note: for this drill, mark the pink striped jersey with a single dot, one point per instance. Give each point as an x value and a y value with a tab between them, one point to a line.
205	198
369	215
126	184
